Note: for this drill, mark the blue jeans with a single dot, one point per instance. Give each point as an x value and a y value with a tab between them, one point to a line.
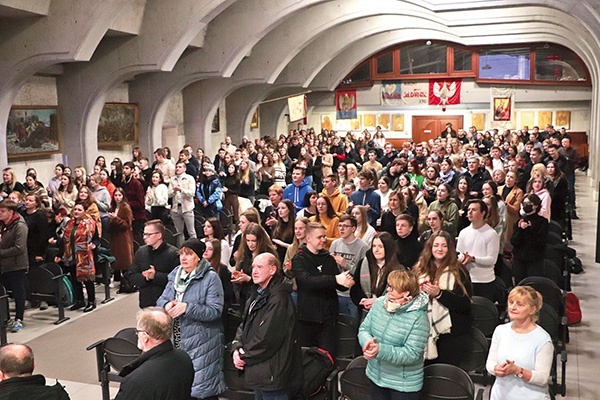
271	394
346	306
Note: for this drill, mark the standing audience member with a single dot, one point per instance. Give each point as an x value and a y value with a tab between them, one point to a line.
66	194
366	196
213	255
38	231
182	188
339	202
157	197
121	237
209	193
478	246
231	188
13	258
408	247
296	190
152	264
521	352
194	299
103	199
513	197
283	234
134	193
448	285
328	218
363	231
266	338
318	277
393	337
214	230
17	381
79	241
161	372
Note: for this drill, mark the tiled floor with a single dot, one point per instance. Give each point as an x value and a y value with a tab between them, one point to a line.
583	350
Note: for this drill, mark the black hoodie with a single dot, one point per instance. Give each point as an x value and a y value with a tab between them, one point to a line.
315	277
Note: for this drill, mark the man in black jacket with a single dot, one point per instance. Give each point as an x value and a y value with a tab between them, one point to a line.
17	379
266	346
318	277
161	372
152	264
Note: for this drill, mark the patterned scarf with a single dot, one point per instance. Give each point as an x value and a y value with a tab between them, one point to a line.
439	316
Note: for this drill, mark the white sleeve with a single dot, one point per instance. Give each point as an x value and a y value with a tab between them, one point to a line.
492	359
543	364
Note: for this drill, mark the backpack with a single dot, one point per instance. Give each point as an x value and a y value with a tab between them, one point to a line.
573	310
575	265
68	294
317	365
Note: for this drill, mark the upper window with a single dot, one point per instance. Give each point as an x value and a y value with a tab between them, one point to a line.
463	60
385	64
553	63
510	64
420	59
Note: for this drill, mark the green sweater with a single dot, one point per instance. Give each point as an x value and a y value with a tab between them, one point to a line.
402	337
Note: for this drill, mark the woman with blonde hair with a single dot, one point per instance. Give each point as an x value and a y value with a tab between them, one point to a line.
448	285
397	206
10	183
66	195
80	177
537	185
521	352
364	230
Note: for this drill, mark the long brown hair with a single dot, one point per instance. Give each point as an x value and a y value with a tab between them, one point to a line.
215	260
285	230
391	262
263	244
426	266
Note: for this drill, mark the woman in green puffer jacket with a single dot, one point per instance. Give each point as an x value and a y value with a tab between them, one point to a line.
393	338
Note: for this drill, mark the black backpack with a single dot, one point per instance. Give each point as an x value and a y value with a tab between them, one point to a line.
317	365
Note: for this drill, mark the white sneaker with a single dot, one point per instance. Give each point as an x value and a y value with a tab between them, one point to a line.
17	326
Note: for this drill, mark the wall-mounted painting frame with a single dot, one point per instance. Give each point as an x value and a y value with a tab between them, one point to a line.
254	121
562	120
398	122
216	123
32	131
502	108
544	118
118	125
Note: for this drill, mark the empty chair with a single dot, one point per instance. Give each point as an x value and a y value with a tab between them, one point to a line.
485	315
547	269
46	284
475	353
354	384
444	381
128	334
555	228
112	355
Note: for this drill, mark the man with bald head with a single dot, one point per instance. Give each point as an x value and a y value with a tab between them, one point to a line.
161	372
17	380
266	339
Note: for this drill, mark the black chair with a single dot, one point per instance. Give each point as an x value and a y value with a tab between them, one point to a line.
129	334
354	384
547	269
554	238
4	314
347	341
170	237
485	315
550	321
556	228
112	355
46	284
444	381
475	354
104	259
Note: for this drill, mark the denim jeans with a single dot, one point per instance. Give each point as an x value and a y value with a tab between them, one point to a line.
346	306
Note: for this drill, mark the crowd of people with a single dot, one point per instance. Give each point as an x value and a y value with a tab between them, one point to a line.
344	224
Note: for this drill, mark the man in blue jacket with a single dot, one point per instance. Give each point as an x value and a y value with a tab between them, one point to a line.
366	196
296	190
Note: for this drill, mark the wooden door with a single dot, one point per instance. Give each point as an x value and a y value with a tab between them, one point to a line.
425	127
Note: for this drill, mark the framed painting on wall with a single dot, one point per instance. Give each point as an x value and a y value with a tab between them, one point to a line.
478	121
254	122
369	121
502	108
527	119
32	131
118	125
398	122
383	120
355	123
563	120
544	118
216	123
327	122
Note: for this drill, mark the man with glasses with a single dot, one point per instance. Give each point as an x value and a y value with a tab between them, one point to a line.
347	251
265	346
152	263
161	372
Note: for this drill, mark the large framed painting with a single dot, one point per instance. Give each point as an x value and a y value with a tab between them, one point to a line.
216	123
118	125
544	118
32	131
254	121
398	122
502	108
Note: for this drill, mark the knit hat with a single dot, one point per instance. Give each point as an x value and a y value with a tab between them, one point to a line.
196	246
209	168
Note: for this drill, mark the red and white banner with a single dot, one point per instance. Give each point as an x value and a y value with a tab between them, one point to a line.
415	93
444	91
345	104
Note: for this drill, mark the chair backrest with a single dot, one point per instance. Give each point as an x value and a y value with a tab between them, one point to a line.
354	384
444	381
53	267
40	281
551	293
119	352
476	350
555	228
550	321
485	315
346	334
547	269
169	237
554	238
129	334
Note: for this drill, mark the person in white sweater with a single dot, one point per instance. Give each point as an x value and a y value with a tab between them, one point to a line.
478	246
